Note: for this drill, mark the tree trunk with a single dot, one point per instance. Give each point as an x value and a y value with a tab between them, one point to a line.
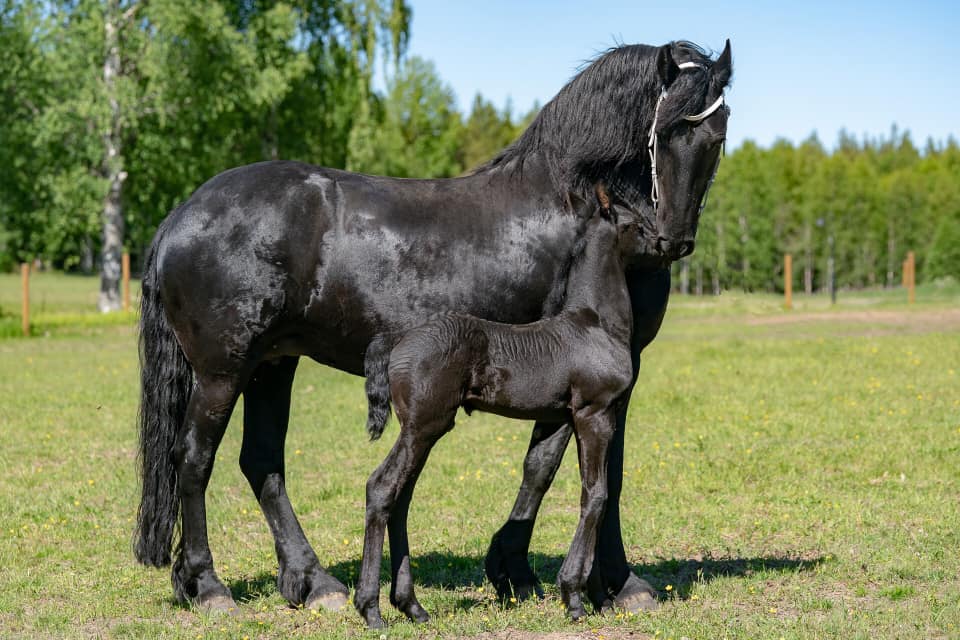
699	285
745	244
891	251
808	261
112	167
721	260
684	277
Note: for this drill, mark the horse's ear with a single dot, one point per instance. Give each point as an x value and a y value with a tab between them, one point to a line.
667	67
722	69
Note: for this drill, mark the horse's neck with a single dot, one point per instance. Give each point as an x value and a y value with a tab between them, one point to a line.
597	281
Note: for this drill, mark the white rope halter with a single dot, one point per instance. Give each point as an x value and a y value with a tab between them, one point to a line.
652	141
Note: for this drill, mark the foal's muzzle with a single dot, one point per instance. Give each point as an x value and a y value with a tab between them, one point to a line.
674	249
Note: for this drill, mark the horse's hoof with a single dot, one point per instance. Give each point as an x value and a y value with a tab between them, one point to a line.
527	591
418	614
328	601
220	605
636	596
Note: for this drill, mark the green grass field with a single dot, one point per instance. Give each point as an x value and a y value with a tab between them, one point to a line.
791	475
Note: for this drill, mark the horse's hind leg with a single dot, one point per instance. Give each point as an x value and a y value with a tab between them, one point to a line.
194	579
507	565
266	402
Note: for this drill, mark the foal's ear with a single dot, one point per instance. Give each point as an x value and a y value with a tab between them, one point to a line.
722	69
603	200
667	67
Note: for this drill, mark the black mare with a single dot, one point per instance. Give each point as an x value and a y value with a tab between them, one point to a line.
272	261
571	367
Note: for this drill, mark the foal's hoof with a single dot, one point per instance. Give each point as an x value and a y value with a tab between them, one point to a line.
328	601
220	605
375	622
416	613
577	613
636	595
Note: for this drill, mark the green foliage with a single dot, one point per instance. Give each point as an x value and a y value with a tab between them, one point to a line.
205	86
420	132
486	132
876	200
201	87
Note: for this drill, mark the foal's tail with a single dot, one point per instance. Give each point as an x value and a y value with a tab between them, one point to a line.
166	379
375	365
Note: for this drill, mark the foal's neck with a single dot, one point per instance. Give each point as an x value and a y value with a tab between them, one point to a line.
597	280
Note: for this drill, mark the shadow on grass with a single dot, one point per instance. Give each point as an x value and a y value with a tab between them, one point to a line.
446	570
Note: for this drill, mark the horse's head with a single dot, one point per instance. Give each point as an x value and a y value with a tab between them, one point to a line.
685	143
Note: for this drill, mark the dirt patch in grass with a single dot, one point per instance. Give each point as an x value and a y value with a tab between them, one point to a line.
923	320
585	634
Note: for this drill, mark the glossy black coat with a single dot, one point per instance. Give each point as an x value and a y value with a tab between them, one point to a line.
272	261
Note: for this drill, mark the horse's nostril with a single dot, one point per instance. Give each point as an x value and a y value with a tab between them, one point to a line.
686	248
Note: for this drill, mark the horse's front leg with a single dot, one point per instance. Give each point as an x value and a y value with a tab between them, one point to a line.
613	583
507	565
301	579
208	412
594	430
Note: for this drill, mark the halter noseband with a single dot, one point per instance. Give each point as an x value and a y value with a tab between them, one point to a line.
652	141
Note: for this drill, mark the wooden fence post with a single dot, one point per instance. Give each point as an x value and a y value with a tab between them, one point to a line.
126	281
788	281
25	307
912	277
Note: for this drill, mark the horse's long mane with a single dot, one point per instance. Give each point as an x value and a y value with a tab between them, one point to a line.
600	121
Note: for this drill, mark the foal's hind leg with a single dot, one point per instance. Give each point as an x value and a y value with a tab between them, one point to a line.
507	565
389	491
194	579
402	595
266	400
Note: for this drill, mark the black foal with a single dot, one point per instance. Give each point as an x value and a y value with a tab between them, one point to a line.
575	364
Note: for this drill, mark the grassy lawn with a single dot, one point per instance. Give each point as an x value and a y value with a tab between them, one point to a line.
790	475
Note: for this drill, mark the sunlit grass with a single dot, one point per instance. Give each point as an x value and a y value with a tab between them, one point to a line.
788	480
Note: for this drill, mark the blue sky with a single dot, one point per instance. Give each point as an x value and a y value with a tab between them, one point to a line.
798	67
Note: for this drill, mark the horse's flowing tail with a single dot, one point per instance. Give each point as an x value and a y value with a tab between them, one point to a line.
375	365
166	379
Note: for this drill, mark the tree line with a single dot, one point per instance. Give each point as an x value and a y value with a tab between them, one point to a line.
114	111
864	205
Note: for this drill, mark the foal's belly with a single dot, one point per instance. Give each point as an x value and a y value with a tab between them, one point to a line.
559	413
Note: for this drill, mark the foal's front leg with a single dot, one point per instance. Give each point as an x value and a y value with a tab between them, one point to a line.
594	430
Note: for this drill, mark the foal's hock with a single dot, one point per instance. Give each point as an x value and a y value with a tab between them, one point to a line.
575	365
